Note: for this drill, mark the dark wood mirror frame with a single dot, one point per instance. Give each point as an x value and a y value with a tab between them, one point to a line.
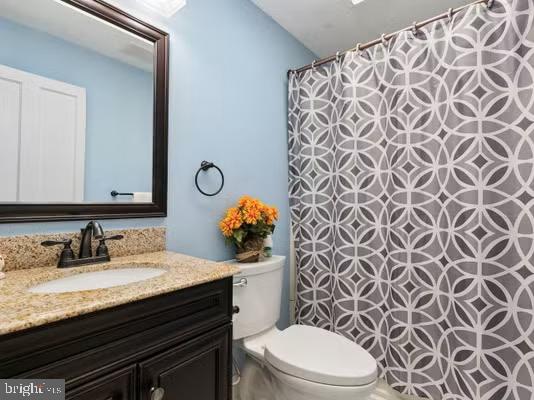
10	213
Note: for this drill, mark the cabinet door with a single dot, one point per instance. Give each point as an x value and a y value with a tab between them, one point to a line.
197	370
119	385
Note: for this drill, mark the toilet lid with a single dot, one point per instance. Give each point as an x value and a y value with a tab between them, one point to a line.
320	356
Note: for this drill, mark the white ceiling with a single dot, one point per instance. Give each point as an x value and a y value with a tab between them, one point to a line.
61	20
326	26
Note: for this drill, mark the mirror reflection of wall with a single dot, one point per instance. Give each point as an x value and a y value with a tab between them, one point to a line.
76	106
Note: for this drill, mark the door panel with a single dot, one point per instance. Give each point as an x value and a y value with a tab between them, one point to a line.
53	150
11	90
60	172
196	370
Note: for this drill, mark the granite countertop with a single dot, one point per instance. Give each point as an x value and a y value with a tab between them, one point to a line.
20	309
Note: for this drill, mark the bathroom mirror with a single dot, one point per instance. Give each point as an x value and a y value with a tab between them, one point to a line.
83	112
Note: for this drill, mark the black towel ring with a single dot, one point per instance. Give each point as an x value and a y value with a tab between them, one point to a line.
205	166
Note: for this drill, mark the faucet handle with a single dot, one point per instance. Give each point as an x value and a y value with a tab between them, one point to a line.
113	237
49	243
67	254
102	250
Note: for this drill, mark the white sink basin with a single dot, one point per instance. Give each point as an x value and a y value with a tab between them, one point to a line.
97	280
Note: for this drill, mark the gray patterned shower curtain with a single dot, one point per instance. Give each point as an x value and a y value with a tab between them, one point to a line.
412	203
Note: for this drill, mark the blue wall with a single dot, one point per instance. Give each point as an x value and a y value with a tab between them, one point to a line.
118	126
228	105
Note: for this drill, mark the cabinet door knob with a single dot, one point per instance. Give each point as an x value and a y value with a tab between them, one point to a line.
157	393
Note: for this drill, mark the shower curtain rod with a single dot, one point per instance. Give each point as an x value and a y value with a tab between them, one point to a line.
416	25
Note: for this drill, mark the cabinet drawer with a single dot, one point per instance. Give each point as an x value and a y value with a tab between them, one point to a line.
197	370
119	385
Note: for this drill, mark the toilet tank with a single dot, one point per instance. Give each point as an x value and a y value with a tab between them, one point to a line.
258	294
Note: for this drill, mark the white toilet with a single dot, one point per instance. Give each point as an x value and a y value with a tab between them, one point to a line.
300	362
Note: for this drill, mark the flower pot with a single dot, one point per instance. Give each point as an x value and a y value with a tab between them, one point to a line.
251	250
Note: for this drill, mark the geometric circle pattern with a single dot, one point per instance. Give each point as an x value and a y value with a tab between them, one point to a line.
412	203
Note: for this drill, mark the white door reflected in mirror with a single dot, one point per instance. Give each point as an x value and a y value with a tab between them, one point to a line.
43	138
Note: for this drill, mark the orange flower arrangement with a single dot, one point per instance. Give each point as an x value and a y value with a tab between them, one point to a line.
250	217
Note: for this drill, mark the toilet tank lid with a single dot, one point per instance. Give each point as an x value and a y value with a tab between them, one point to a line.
320	356
267	265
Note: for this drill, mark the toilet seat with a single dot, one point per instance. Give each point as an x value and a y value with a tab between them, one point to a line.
320	356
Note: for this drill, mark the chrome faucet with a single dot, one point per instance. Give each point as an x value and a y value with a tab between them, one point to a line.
93	230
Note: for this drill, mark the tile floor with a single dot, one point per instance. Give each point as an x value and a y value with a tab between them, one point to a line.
385	392
382	392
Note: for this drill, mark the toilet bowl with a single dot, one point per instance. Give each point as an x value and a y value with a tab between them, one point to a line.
300	362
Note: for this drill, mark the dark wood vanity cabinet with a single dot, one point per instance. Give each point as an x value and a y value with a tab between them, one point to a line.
179	342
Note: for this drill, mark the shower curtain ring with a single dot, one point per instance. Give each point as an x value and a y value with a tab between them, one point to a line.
415	29
489	4
384	39
450	14
313	65
359	49
337	56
